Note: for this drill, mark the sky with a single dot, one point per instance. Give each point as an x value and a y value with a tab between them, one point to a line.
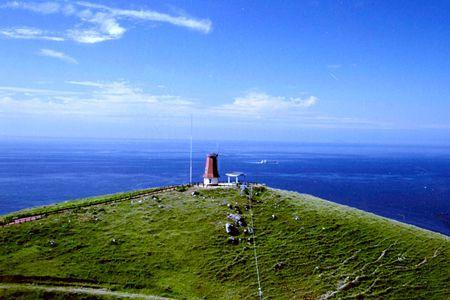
297	71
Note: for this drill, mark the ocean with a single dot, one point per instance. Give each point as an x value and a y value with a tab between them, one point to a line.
410	184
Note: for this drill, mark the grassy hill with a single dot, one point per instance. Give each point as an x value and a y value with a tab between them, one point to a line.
175	246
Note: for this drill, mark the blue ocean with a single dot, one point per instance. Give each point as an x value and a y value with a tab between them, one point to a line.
410	184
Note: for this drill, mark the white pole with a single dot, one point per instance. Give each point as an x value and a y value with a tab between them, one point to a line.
190	157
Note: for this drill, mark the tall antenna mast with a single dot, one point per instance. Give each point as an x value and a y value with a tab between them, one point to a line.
190	157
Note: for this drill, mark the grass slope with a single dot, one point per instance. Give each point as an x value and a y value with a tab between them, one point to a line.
176	246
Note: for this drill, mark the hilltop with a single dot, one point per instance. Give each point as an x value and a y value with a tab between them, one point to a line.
174	245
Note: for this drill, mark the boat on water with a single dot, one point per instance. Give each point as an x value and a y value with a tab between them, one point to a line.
266	161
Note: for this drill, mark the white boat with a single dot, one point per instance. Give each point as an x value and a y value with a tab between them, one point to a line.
265	162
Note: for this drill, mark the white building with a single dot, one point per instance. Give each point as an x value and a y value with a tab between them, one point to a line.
235	177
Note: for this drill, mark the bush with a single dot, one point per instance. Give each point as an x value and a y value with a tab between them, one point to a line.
182	188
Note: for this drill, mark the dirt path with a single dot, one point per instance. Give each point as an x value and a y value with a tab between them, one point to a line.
78	290
39	216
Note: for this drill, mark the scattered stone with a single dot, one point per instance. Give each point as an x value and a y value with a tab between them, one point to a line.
279	265
113	241
242	223
274	217
231	229
234	217
233	241
238	219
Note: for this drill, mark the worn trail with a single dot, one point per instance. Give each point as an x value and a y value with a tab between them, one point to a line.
40	216
79	290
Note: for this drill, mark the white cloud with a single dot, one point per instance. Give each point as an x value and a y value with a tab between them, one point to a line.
118	92
121	101
111	99
58	55
105	28
86	83
204	26
19	90
90	36
98	22
334	66
119	97
260	104
29	33
42	7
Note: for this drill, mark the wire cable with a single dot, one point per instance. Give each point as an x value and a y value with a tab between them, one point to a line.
258	277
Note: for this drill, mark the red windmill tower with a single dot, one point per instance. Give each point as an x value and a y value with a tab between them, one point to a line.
211	176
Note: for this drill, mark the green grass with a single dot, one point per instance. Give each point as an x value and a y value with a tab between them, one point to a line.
74	204
176	246
25	292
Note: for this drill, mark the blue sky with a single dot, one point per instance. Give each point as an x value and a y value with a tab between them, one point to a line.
314	71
